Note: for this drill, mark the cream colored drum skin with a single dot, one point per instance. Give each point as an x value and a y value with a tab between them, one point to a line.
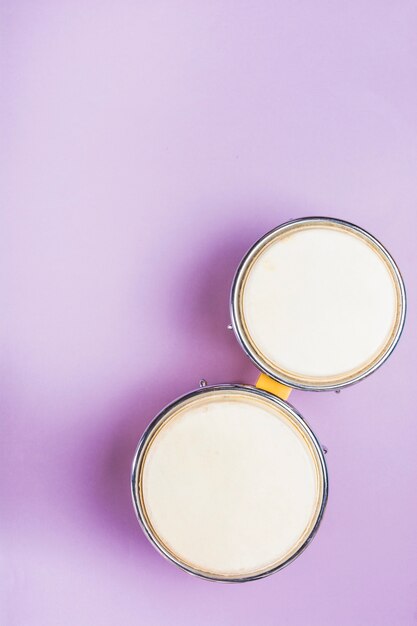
318	304
229	483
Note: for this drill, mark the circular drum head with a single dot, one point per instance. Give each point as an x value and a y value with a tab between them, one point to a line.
229	483
318	303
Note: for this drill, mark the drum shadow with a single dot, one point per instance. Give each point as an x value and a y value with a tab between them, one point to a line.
204	294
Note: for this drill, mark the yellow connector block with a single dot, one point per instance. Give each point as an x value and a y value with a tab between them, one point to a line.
272	386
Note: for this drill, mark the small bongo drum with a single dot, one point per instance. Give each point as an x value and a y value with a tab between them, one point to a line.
229	482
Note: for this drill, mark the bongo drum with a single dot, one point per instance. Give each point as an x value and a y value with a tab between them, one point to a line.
318	304
229	482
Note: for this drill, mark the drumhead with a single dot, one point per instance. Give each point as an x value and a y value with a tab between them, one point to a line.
318	303
229	483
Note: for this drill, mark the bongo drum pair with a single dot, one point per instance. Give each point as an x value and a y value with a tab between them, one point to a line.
229	482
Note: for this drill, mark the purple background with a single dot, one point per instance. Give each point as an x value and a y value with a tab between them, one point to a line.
145	146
